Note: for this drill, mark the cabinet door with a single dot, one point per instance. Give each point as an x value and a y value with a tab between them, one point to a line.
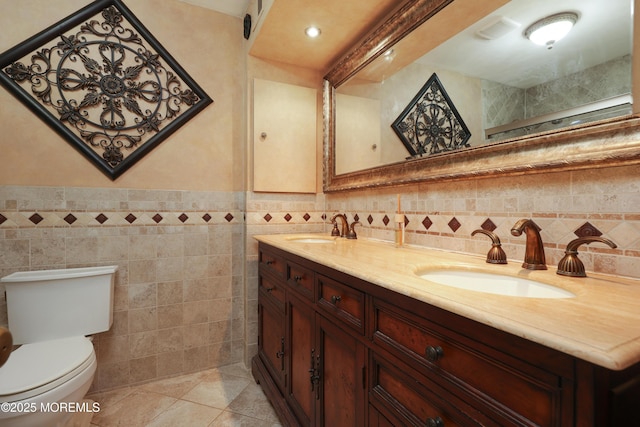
300	335
284	137
271	343
341	396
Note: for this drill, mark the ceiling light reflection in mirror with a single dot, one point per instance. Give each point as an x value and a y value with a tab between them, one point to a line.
504	86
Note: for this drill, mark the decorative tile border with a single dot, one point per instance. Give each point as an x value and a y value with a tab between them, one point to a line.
118	218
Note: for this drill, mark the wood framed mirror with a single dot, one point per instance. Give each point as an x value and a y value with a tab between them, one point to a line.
600	143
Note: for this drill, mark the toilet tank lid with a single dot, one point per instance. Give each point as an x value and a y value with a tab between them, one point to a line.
33	365
68	273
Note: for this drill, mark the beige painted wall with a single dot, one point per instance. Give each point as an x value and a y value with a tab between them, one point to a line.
202	155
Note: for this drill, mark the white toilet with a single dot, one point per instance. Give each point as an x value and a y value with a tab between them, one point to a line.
50	314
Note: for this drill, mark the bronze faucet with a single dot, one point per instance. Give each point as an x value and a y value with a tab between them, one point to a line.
570	265
345	225
534	251
496	254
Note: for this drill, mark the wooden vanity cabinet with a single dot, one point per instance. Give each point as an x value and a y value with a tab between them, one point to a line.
315	374
335	350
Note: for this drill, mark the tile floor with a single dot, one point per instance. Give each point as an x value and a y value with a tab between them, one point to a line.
221	397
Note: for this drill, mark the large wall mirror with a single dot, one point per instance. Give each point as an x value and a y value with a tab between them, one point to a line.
566	104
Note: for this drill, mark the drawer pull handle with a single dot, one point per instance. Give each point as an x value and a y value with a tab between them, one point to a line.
297	278
335	299
269	262
435	422
269	289
434	353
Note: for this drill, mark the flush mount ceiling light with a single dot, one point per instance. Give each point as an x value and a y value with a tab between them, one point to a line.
549	30
312	32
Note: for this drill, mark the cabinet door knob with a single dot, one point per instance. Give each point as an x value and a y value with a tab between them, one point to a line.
335	298
434	353
435	422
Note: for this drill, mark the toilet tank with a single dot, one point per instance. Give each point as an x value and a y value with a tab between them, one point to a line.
51	304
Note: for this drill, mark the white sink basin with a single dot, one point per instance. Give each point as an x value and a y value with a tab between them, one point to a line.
498	284
314	239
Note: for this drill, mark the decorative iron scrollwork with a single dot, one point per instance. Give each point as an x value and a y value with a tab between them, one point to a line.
431	124
106	85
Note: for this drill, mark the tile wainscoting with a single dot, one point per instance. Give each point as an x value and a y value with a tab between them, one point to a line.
271	213
179	298
186	296
564	204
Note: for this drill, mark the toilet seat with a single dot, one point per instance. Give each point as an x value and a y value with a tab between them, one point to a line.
35	368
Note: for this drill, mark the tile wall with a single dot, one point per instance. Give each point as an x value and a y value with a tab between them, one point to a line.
564	204
186	296
179	298
272	213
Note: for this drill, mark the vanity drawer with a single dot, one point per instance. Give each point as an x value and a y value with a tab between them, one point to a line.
457	361
341	302
300	279
268	261
273	290
413	400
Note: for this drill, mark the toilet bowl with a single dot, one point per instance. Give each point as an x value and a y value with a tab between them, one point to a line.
38	377
50	312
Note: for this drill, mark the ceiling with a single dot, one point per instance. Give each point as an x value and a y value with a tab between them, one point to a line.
281	37
603	32
228	7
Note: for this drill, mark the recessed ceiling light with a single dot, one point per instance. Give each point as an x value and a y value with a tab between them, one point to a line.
312	32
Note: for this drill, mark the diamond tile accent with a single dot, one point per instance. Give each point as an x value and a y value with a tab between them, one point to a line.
2	219
488	225
268	217
130	218
369	219
183	217
306	217
228	217
324	217
406	221
70	219
157	218
356	217
102	218
586	230
36	218
207	217
427	222
454	224
287	217
386	220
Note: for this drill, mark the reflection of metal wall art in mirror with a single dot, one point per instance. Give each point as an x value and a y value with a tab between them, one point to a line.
105	84
431	124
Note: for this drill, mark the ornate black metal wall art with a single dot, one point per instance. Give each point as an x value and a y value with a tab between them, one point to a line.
431	124
105	84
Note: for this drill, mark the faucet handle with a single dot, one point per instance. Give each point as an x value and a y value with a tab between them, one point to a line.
335	232
570	265
352	230
496	254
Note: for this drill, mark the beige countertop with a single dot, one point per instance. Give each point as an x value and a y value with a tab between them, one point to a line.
601	324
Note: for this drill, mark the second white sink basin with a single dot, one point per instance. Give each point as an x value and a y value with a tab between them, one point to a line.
498	284
312	239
